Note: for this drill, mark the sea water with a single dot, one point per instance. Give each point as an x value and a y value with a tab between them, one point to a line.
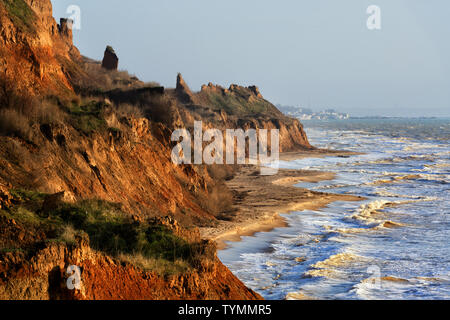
393	245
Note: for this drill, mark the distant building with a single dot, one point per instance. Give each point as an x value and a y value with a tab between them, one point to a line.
307	114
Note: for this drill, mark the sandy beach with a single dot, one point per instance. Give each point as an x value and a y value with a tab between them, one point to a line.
259	200
317	153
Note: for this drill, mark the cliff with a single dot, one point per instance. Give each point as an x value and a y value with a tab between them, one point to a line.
44	278
85	167
37	54
40	274
239	107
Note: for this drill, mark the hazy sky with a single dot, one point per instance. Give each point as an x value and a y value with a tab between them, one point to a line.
316	53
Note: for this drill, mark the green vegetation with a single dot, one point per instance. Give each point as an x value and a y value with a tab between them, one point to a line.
13	250
21	14
147	245
237	104
27	195
88	118
160	266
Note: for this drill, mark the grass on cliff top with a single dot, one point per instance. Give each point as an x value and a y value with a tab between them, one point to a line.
88	118
237	104
148	245
21	14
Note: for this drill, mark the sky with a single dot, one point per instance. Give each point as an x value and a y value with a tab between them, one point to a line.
317	54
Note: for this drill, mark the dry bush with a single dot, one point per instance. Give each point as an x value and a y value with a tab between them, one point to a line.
159	108
151	84
99	78
154	105
218	202
19	111
13	98
24	110
16	152
48	113
15	123
158	265
220	172
69	234
220	199
129	110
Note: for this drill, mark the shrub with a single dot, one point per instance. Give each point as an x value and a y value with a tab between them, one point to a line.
113	232
14	123
158	108
69	234
220	173
98	79
48	113
27	195
160	266
110	230
129	110
88	118
162	243
219	201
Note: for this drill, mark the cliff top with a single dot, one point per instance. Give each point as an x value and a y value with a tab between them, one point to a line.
236	100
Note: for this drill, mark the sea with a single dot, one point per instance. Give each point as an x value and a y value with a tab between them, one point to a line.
393	245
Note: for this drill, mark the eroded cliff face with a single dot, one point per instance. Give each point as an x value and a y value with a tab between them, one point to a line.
238	108
42	275
127	163
37	54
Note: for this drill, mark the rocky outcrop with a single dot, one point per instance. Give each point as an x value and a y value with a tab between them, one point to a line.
65	29
255	91
110	59
245	108
5	197
248	95
183	92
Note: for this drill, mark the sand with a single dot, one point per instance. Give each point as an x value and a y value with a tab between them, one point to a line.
259	200
317	153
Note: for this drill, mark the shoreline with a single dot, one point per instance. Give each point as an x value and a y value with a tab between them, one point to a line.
259	200
317	153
